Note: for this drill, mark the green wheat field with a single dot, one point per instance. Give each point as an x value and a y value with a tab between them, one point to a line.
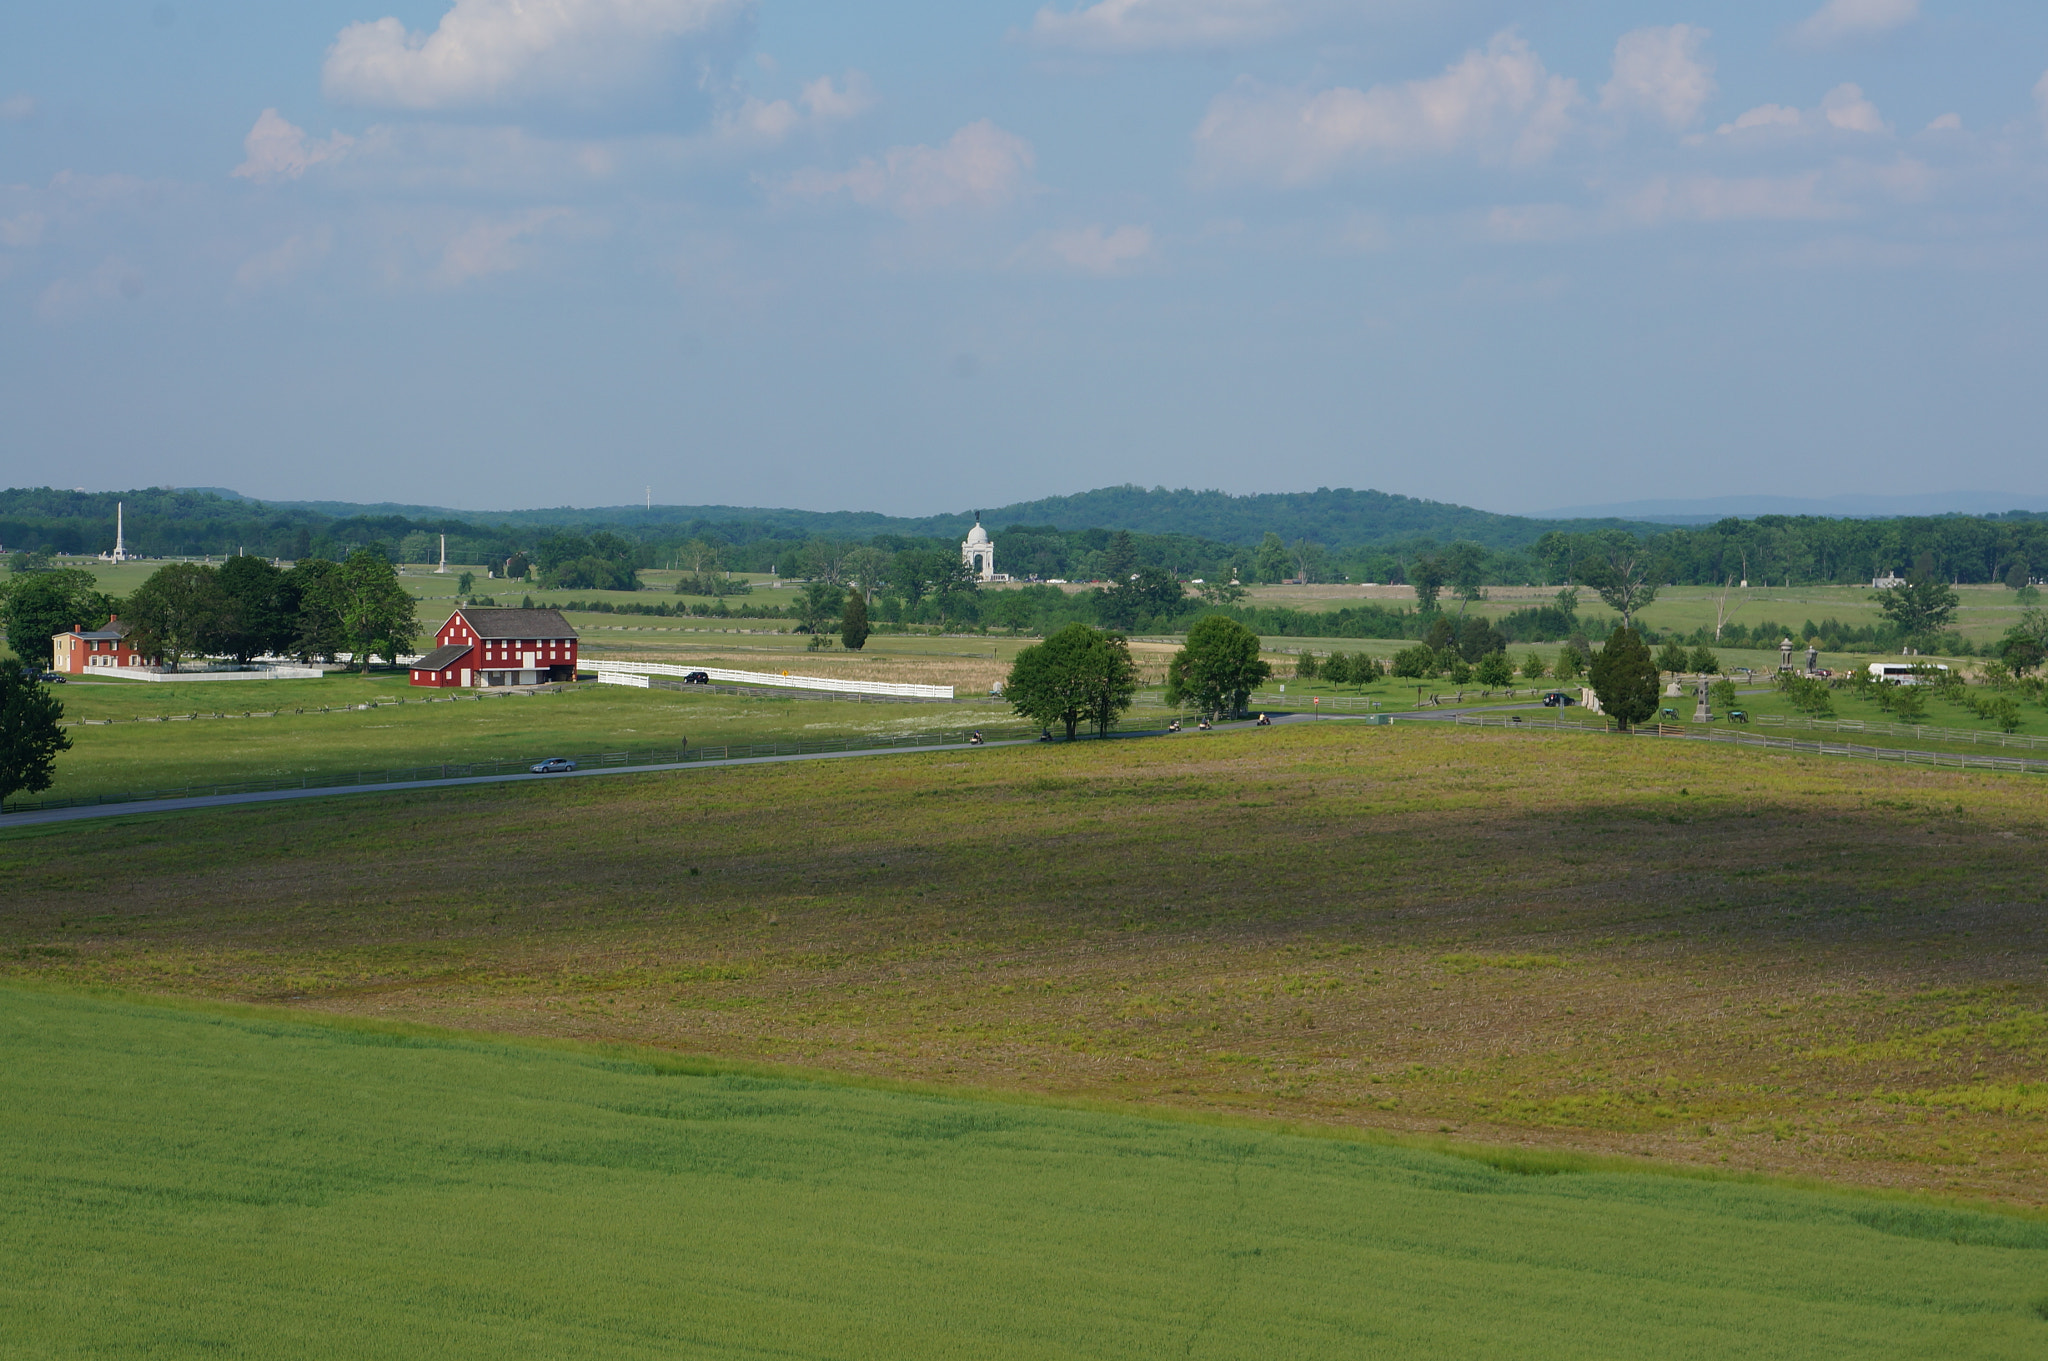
187	1181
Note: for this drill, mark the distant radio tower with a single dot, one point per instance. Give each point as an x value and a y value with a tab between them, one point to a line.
650	498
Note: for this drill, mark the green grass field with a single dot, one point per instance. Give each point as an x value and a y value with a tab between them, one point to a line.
1731	959
333	736
189	1182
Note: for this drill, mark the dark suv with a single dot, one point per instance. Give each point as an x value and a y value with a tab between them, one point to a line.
697	678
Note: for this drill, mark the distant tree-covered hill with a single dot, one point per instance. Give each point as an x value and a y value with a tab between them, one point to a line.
1326	515
1329	534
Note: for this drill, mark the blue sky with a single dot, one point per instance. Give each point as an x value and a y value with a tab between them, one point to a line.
915	257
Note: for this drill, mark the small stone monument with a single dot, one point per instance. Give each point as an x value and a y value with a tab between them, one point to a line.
1785	653
1702	712
1812	659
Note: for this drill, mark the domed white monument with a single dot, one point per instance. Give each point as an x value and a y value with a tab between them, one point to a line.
978	551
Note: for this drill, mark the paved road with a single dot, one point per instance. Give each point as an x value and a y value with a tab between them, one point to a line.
113	810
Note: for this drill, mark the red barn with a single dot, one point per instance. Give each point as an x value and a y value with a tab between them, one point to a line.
500	647
83	647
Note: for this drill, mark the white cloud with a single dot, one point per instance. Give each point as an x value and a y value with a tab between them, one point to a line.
1839	19
1763	116
1093	250
113	278
1499	101
276	150
23	229
56	212
1948	122
980	166
500	51
1844	109
769	121
17	108
284	260
1847	109
1531	222
1660	72
1146	25
850	100
493	245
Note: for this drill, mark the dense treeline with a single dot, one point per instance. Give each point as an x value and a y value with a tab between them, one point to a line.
1417	543
244	608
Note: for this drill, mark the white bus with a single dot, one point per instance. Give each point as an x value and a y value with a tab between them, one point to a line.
1904	673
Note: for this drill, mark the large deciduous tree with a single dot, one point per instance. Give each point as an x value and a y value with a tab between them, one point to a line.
308	605
1271	559
372	610
600	562
819	605
37	605
1427	574
1218	669
252	617
1923	606
867	567
30	735
178	612
1079	674
1139	595
1623	573
1624	676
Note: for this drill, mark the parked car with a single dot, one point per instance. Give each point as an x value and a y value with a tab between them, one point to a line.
697	678
1558	699
554	765
51	678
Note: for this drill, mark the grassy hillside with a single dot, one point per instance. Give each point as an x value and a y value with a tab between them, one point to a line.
1721	957
189	1182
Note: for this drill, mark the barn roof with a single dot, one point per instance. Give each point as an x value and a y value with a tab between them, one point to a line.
496	623
441	657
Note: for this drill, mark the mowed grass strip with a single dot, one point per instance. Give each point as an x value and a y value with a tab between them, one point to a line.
1624	945
185	1183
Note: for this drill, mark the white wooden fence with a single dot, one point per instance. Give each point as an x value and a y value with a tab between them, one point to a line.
606	670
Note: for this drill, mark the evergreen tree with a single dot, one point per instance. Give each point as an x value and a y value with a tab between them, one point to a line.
853	624
1625	678
1673	657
